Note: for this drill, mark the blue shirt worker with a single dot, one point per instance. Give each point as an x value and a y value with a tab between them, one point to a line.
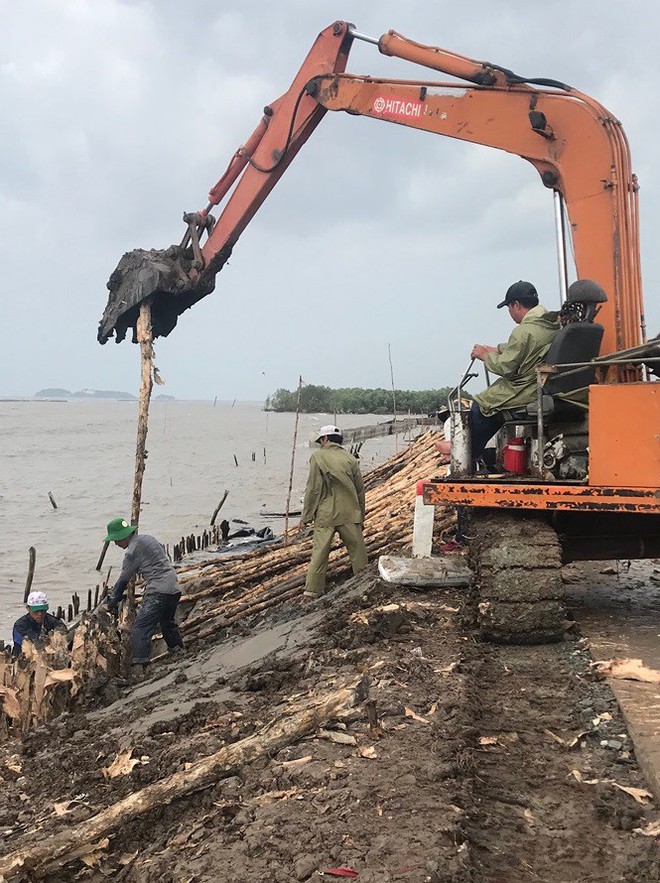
334	501
147	557
37	622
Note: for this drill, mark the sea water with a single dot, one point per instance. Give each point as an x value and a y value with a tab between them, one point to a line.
83	452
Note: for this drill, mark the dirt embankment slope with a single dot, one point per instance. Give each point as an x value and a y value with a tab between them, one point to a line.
458	766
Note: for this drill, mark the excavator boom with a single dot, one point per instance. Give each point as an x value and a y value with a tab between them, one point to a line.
576	145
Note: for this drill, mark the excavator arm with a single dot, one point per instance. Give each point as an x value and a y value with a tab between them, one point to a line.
578	148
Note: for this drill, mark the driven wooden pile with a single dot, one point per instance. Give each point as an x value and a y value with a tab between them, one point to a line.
224	592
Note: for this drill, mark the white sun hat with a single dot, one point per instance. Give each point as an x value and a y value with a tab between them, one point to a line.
330	429
37	601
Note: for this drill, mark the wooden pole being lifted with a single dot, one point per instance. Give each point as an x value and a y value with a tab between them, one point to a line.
145	339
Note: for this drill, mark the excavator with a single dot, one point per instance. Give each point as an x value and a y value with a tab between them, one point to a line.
585	484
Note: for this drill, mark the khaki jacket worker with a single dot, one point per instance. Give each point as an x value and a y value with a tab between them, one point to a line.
514	361
334	501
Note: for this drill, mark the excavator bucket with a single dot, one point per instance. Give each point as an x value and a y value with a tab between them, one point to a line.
160	276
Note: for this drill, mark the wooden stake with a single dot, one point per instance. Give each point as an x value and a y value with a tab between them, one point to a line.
219	507
396	437
52	500
30	576
293	460
99	563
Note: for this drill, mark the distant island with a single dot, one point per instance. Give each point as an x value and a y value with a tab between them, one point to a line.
323	399
58	393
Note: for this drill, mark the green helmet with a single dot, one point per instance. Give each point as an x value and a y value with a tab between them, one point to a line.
119	529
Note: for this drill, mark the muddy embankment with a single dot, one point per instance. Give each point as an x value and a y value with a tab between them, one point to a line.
459	765
370	734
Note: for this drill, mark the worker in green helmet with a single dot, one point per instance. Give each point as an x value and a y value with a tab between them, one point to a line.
147	557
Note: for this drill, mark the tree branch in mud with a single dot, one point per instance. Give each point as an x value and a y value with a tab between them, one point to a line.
52	852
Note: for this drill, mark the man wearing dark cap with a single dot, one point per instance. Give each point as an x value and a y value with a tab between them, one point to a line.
514	361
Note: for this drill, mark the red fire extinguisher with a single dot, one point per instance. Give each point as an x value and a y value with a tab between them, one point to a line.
514	459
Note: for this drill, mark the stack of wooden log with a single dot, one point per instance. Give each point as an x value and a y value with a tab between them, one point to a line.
223	592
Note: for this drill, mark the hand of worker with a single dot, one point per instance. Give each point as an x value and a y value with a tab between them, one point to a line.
480	351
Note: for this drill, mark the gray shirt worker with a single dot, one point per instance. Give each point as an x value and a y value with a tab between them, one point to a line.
145	556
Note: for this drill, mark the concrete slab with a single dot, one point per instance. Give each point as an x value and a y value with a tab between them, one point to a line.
618	610
422	573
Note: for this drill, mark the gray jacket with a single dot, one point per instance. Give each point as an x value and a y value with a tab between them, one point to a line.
147	557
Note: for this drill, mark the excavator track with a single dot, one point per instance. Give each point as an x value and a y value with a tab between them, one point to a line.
516	558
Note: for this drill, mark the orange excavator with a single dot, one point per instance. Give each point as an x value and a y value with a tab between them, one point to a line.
586	480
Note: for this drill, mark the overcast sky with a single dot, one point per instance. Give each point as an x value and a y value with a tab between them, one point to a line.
118	116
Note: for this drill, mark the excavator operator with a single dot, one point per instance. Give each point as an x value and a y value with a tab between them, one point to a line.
514	361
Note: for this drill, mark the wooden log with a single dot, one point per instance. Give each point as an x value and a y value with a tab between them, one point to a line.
51	852
30	576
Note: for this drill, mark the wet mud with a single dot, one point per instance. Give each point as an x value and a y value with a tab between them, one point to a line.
467	762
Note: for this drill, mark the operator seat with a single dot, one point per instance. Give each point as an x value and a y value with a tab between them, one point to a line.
574	343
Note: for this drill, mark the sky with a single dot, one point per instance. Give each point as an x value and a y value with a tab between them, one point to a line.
118	116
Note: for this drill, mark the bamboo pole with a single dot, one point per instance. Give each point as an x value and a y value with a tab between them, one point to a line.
396	436
293	460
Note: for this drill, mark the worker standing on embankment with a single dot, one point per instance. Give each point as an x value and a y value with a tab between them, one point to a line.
147	557
334	501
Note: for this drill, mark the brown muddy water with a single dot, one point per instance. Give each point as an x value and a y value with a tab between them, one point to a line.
84	454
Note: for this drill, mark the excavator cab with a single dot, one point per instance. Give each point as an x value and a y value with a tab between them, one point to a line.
559	411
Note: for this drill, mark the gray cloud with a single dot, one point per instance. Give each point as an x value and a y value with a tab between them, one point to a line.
117	116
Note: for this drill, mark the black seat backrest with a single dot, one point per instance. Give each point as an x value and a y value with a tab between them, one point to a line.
577	342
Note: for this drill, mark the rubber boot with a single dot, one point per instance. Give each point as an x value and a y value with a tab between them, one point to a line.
139	672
